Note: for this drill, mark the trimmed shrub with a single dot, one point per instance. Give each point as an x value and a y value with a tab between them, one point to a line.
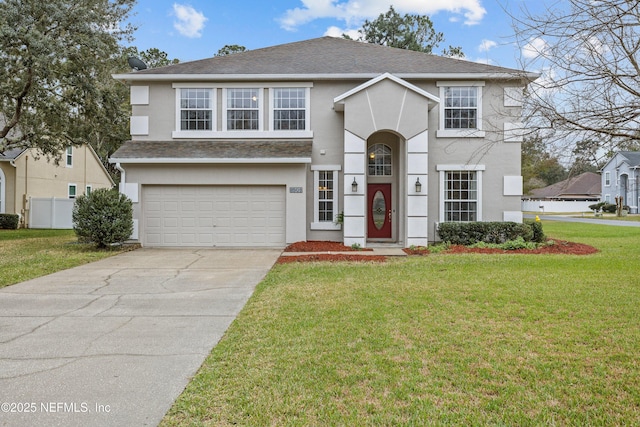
468	233
538	234
609	208
104	217
9	221
597	206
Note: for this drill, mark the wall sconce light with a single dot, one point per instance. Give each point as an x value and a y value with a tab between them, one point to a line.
418	185
354	185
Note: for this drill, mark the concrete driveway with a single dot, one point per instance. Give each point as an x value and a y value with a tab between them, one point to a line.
114	342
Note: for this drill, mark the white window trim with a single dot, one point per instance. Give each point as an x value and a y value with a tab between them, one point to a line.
459	133
69	191
443	169
260	129
68	156
607	179
325	225
179	133
214	133
307	108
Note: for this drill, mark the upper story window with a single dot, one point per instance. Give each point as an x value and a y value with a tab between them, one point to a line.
607	179
69	156
289	108
239	110
196	109
460	109
243	109
380	160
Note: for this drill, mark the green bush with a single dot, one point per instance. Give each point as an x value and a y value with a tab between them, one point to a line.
104	217
538	233
609	208
597	206
9	221
468	233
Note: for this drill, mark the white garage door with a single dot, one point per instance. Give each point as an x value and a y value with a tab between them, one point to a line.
213	215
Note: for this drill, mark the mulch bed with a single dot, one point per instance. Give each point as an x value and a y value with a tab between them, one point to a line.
558	247
321	246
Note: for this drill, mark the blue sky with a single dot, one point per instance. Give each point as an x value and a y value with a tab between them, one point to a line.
196	29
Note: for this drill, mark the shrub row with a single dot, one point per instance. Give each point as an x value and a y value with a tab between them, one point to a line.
9	221
606	207
469	233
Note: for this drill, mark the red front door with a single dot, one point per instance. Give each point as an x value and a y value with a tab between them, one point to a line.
379	211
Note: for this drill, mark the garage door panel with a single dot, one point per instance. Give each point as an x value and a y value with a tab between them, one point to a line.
214	215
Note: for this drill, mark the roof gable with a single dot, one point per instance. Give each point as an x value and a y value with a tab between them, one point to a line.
338	102
633	157
325	56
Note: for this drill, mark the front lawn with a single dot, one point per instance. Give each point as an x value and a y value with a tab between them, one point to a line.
26	254
444	339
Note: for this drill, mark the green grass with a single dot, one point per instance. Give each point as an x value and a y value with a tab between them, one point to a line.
26	254
444	339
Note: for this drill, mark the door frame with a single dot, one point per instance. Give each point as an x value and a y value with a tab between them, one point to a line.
386	232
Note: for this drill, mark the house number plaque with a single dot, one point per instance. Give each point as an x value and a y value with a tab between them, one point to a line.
295	189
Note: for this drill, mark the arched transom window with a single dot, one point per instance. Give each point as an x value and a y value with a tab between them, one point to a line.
380	160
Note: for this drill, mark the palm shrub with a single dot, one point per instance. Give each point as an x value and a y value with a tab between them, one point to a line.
104	217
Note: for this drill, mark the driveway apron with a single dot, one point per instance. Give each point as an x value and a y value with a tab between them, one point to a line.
114	342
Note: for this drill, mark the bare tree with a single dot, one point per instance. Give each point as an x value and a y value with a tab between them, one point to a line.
587	52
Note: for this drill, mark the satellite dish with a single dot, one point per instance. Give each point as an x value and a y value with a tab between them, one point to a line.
136	63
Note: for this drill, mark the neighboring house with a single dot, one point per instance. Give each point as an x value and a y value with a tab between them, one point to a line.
26	173
574	194
620	177
324	139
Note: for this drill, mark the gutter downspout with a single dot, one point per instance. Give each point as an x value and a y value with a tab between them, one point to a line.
123	177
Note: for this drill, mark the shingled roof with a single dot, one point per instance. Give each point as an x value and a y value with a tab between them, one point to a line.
11	154
632	156
327	56
582	187
206	151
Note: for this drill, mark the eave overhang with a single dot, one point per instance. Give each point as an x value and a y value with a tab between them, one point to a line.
524	77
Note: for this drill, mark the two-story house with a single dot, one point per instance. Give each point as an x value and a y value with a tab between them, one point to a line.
324	139
26	173
620	178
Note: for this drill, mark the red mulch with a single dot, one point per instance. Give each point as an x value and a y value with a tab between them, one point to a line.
321	246
559	247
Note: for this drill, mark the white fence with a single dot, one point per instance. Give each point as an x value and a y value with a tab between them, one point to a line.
558	206
50	213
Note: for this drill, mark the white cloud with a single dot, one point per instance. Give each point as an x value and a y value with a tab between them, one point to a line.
189	22
354	11
487	45
338	32
485	61
535	48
